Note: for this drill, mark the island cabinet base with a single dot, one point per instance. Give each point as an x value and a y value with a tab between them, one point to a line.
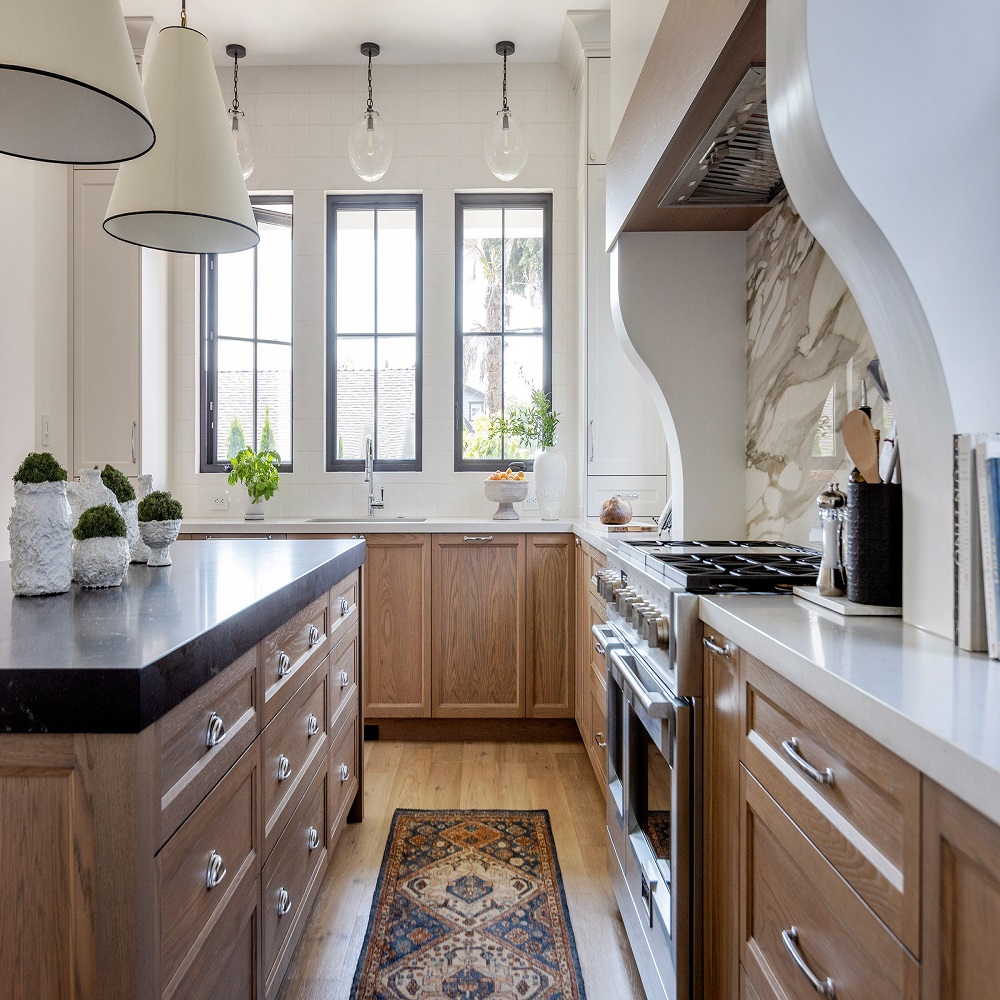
182	862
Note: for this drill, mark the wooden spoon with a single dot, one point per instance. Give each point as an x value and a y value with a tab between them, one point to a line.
859	440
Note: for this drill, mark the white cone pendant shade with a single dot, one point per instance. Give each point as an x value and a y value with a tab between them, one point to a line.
69	85
187	194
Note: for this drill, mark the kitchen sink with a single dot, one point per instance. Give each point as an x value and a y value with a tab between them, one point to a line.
365	520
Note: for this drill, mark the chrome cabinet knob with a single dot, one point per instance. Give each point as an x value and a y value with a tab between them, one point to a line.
345	606
216	870
344	678
600	740
284	901
284	663
284	767
216	731
313	635
345	773
312	838
312	725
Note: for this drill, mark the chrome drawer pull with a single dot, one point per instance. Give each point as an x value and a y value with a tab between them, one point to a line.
284	767
313	841
600	740
284	901
313	635
598	648
344	772
216	731
284	663
791	748
344	678
710	643
345	607
312	725
216	871
791	940
477	538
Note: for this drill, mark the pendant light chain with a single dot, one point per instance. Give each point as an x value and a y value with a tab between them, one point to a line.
236	85
371	103
506	109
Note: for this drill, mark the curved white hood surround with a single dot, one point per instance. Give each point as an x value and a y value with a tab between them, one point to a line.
679	305
876	117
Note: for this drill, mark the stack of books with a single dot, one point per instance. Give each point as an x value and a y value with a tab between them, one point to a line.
977	543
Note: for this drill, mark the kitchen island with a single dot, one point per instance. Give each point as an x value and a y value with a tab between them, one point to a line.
177	759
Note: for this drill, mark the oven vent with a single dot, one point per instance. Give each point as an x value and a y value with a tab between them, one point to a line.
734	164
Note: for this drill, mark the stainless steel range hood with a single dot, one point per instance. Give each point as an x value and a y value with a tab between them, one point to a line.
734	164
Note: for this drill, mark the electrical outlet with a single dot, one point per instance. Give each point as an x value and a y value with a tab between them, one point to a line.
531	502
220	502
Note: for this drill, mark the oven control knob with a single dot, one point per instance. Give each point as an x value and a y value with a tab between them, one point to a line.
657	632
626	598
639	613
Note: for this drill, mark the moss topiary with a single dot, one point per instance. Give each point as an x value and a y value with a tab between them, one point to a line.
160	506
99	522
118	483
40	467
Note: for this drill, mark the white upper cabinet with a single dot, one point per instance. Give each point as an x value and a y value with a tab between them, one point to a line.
598	110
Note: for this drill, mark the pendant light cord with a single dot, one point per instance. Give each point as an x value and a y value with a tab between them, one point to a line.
184	14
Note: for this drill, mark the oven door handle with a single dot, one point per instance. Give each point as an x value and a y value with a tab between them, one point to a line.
657	705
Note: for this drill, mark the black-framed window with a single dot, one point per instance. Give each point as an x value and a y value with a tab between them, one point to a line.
503	318
246	328
374	330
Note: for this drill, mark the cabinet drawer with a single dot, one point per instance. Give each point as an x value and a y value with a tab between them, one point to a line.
202	737
867	822
344	661
786	884
291	748
290	873
344	605
289	653
343	770
598	730
201	868
226	966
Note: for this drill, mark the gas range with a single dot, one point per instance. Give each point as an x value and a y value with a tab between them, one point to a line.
727	566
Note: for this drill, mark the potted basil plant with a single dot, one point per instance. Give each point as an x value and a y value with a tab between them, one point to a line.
258	472
159	524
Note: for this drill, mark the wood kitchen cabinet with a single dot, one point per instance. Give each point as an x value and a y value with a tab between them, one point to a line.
551	619
591	690
961	899
478	647
398	625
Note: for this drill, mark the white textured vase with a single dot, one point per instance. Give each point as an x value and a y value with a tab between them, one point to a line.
41	539
131	514
550	483
159	536
90	491
100	562
140	550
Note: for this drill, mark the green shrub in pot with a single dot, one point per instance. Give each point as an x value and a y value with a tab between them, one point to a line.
41	542
258	472
159	523
124	492
100	550
40	467
99	522
160	506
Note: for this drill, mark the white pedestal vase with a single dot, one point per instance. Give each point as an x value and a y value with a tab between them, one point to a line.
140	550
100	562
90	492
159	536
41	539
550	483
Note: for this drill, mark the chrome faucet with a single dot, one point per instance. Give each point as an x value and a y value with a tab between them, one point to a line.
373	504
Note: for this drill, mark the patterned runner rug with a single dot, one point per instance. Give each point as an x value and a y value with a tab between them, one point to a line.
469	905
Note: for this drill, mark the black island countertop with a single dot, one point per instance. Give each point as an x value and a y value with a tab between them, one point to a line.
116	660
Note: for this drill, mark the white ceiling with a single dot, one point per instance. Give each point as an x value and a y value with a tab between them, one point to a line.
319	32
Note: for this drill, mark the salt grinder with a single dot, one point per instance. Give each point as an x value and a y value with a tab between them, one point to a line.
832	580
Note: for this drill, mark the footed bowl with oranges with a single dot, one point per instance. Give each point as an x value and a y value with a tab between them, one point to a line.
506	489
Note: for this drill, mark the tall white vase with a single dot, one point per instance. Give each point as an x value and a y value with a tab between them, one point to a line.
550	483
41	540
90	492
140	550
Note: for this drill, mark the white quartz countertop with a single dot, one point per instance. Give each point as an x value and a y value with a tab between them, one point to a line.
934	705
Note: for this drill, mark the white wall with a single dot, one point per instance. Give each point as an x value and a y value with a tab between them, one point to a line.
679	305
902	194
633	26
301	117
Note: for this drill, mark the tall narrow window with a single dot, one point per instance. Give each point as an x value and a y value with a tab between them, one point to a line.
374	330
246	320
503	318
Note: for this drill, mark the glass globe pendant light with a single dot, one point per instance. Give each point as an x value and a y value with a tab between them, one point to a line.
369	145
241	131
506	144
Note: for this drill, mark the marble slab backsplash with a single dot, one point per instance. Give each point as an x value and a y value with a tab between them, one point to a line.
807	350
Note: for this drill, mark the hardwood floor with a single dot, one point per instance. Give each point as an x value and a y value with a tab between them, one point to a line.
553	776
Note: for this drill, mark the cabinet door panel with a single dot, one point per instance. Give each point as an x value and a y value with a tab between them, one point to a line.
106	332
478	642
398	626
550	644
